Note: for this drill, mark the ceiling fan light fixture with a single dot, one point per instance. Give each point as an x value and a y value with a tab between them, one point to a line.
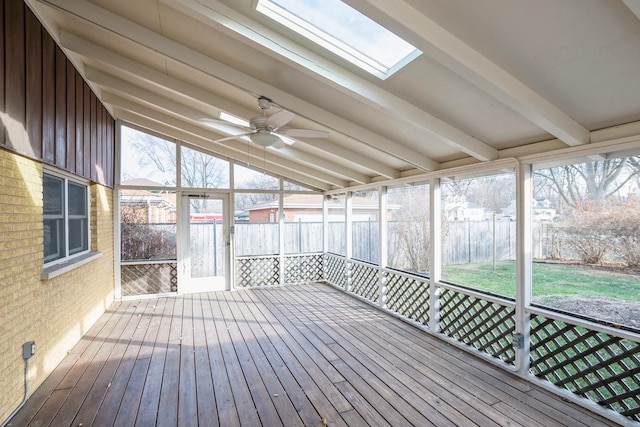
264	138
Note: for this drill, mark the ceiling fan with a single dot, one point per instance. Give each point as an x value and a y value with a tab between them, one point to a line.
266	130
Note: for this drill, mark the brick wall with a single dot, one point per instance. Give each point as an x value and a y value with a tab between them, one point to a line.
263	215
53	313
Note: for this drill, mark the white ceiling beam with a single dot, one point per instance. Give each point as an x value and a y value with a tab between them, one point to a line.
182	54
235	24
135	71
166	105
361	160
234	149
311	160
476	68
634	6
175	109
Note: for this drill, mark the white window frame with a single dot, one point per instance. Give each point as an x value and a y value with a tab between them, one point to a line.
67	179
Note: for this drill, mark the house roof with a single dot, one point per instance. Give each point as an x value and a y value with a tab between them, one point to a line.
136	196
142	182
495	79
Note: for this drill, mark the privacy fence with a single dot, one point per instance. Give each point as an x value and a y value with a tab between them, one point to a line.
143	245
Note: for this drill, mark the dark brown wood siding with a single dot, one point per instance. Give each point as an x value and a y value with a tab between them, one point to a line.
50	113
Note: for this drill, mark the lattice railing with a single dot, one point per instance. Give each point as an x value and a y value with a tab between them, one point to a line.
364	281
335	268
257	271
599	366
303	268
484	325
408	296
148	279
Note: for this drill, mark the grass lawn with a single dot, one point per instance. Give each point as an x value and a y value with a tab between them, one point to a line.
549	280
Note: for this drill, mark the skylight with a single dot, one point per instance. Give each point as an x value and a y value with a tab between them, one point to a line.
344	31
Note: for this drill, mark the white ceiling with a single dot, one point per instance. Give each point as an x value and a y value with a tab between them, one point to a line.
497	78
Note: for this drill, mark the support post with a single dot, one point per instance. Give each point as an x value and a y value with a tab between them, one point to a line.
348	230
325	233
117	244
383	219
281	218
435	263
524	194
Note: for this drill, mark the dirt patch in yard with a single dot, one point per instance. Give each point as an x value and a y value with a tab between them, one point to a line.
608	309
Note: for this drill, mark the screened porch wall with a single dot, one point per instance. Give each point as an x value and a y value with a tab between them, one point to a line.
592	362
587	360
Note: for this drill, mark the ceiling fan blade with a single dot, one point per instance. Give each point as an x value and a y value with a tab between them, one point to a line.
215	123
279	119
227	138
304	133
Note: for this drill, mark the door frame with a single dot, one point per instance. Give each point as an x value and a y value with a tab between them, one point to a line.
185	281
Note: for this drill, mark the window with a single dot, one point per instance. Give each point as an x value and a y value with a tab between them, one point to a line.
365	213
342	30
302	223
251	179
408	233
336	207
146	160
257	226
147	225
201	170
479	232
586	239
66	217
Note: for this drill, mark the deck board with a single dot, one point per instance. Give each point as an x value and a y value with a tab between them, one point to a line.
150	399
290	356
440	394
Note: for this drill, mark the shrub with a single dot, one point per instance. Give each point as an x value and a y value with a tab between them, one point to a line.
624	227
587	232
143	241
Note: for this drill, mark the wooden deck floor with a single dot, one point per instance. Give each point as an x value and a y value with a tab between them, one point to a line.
291	356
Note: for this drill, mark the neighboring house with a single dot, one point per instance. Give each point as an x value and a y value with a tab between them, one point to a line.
308	208
457	208
152	207
541	210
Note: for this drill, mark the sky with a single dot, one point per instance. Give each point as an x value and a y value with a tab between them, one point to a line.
350	26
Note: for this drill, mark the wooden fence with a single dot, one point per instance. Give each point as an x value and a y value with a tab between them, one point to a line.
463	241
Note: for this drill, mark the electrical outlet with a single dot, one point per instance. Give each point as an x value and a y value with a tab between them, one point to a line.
28	349
518	340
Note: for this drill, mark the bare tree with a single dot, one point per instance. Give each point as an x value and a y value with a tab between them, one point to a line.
259	181
197	169
152	151
409	233
581	184
456	187
493	192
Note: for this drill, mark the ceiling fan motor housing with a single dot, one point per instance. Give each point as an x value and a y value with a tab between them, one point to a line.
258	122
